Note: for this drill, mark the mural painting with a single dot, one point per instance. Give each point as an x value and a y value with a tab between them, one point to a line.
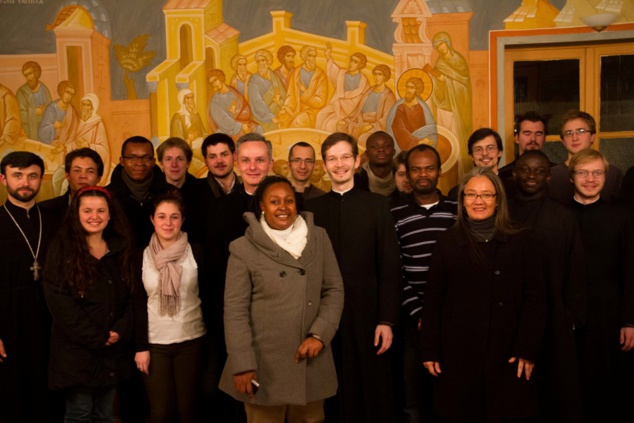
192	74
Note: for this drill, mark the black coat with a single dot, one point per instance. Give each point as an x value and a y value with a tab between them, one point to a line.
138	212
561	254
476	317
81	326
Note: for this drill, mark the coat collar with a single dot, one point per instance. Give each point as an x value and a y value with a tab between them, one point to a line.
256	235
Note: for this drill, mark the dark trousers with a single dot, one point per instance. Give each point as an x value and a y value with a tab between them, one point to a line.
172	382
417	382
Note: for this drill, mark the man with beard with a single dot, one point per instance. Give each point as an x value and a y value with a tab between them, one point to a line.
286	56
91	133
228	110
59	123
82	168
187	123
376	174
361	229
307	92
266	92
410	120
485	149
562	258
25	323
301	159
350	84
607	345
33	97
419	218
240	79
218	150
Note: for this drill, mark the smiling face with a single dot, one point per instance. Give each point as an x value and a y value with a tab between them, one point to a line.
588	187
340	163
485	153
573	141
531	174
278	206
219	160
167	221
94	214
138	161
254	163
478	208
175	165
302	163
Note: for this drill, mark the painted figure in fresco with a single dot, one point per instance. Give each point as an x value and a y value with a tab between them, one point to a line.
266	92
280	168
317	178
350	85
228	110
451	97
91	133
187	123
410	121
11	129
307	92
33	97
370	115
240	79
286	55
59	123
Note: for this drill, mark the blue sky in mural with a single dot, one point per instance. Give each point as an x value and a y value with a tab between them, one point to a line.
23	25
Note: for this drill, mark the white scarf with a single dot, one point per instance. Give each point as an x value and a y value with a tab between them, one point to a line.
383	186
293	239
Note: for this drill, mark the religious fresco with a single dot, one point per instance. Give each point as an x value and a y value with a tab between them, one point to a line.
191	73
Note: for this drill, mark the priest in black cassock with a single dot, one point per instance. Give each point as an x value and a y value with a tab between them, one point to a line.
25	323
561	255
361	229
607	348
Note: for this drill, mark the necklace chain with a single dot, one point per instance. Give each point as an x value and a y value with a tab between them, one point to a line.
36	266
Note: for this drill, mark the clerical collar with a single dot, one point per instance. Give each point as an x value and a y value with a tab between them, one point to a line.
21	210
585	204
342	192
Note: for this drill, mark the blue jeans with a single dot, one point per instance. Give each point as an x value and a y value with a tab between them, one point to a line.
88	405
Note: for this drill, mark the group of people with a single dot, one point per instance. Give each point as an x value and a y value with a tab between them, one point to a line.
262	298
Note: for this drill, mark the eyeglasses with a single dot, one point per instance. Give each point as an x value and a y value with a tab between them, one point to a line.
578	131
489	149
471	196
137	159
307	162
586	173
333	159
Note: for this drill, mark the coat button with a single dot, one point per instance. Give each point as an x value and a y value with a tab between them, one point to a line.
501	304
282	274
497	272
310	303
110	282
111	374
302	272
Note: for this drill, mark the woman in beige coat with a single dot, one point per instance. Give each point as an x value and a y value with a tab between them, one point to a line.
283	302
